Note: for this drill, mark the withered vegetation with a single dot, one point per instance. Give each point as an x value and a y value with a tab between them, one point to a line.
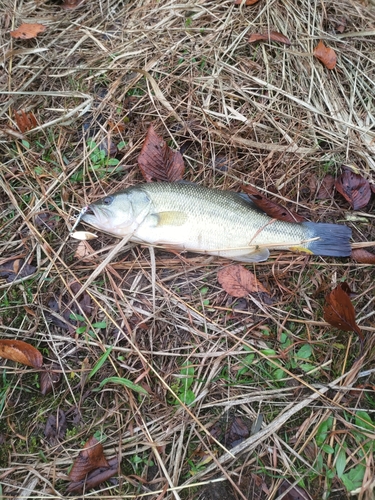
194	393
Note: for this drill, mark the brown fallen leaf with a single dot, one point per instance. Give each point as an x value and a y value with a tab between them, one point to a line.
340	25
326	55
95	477
90	458
354	188
294	493
46	220
21	352
28	30
84	252
231	430
49	379
116	127
339	311
247	2
13	269
55	428
239	281
271	208
84	300
25	120
66	309
363	256
238	430
326	188
270	36
158	161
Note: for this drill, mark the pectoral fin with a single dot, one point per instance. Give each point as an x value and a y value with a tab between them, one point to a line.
171	218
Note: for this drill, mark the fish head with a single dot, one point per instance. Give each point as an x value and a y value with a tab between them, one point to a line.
119	214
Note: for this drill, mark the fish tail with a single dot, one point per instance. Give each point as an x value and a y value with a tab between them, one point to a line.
333	239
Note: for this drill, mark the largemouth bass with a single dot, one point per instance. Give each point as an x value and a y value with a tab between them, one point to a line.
184	216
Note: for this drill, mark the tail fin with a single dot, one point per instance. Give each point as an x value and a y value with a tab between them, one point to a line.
334	239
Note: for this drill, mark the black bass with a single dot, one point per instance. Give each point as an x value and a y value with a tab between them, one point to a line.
186	216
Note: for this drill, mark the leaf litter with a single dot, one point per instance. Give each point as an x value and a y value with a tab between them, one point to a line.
28	30
239	281
271	208
91	467
56	427
21	352
158	161
271	36
363	256
326	55
339	310
15	268
25	120
354	188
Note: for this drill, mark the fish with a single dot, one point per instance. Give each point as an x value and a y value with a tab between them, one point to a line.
189	217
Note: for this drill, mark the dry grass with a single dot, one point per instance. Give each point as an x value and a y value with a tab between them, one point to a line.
266	115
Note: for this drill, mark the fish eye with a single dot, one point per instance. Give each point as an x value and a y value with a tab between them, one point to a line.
107	200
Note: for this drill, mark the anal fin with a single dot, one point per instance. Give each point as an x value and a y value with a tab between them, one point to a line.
256	256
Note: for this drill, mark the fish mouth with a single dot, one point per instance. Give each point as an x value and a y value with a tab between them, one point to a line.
95	217
89	211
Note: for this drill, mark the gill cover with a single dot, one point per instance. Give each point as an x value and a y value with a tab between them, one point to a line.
119	214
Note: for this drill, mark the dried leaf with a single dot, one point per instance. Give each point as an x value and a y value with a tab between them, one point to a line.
340	25
270	36
247	2
116	127
326	55
14	269
55	428
354	188
107	146
90	458
84	251
363	256
271	208
49	379
85	300
46	220
25	121
294	493
239	281
339	311
237	431
66	308
231	430
21	352
326	188
158	161
95	477
28	30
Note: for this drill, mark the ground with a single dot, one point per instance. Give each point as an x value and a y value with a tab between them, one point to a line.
193	392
